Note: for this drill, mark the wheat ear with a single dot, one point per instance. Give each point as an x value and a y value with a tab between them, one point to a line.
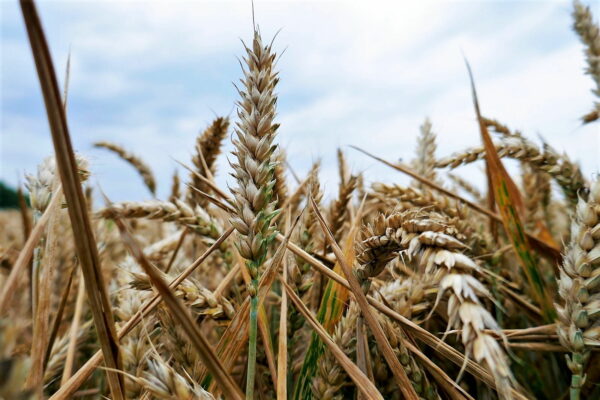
208	148
424	163
431	241
254	173
339	212
175	187
141	167
280	189
579	288
566	173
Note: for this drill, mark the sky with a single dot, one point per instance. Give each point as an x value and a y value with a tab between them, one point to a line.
151	75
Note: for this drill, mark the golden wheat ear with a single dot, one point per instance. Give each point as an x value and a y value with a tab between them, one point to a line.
136	162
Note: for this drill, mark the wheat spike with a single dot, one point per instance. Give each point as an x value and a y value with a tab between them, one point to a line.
424	163
431	241
339	212
175	187
419	380
589	33
579	285
197	219
140	166
208	147
280	189
566	173
254	173
164	382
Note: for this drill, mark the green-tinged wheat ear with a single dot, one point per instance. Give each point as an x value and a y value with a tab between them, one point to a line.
254	170
579	288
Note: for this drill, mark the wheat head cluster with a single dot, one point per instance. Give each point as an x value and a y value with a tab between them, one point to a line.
270	289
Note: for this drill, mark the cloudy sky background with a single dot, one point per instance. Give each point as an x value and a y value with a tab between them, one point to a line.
150	75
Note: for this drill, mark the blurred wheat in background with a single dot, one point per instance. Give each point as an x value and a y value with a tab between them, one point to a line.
276	287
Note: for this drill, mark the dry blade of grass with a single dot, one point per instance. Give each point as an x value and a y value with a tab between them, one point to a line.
282	348
65	159
58	315
10	285
546	249
66	391
510	204
44	294
182	315
361	380
68	368
383	343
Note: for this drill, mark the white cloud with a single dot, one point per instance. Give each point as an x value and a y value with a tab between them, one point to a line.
149	74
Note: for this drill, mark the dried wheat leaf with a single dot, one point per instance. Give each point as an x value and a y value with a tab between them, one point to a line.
509	202
80	222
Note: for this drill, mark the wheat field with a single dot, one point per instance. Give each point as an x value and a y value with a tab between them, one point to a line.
271	289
